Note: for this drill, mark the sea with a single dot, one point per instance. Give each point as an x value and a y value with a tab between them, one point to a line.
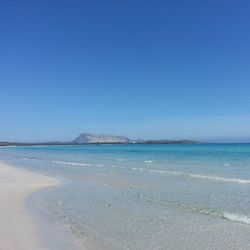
144	196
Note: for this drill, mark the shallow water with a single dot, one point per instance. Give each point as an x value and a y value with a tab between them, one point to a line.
148	196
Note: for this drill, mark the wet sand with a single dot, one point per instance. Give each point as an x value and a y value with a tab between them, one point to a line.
18	230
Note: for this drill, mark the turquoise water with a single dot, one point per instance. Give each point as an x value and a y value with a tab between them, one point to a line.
148	196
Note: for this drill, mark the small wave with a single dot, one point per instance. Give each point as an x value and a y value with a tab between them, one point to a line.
27	158
119	159
72	163
226	164
24	158
148	161
236	218
206	177
216	178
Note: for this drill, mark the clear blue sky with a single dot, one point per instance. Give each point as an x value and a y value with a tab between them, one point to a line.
145	69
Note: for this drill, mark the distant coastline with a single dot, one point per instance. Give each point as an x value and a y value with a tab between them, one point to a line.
98	143
87	139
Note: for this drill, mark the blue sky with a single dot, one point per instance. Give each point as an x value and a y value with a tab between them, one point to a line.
145	69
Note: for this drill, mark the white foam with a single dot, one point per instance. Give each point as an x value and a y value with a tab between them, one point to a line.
217	178
72	163
207	177
148	161
236	218
120	159
59	203
29	158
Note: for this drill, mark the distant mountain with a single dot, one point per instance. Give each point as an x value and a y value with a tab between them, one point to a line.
93	138
87	138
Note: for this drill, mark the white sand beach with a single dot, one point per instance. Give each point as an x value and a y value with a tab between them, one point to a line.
18	230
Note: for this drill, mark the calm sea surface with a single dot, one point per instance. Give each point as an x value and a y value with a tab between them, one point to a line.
148	196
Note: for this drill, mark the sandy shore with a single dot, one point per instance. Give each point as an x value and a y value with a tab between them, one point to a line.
18	230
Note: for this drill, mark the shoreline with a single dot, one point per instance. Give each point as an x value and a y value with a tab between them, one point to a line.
19	228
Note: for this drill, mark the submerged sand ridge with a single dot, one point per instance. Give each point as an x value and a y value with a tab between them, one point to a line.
18	230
